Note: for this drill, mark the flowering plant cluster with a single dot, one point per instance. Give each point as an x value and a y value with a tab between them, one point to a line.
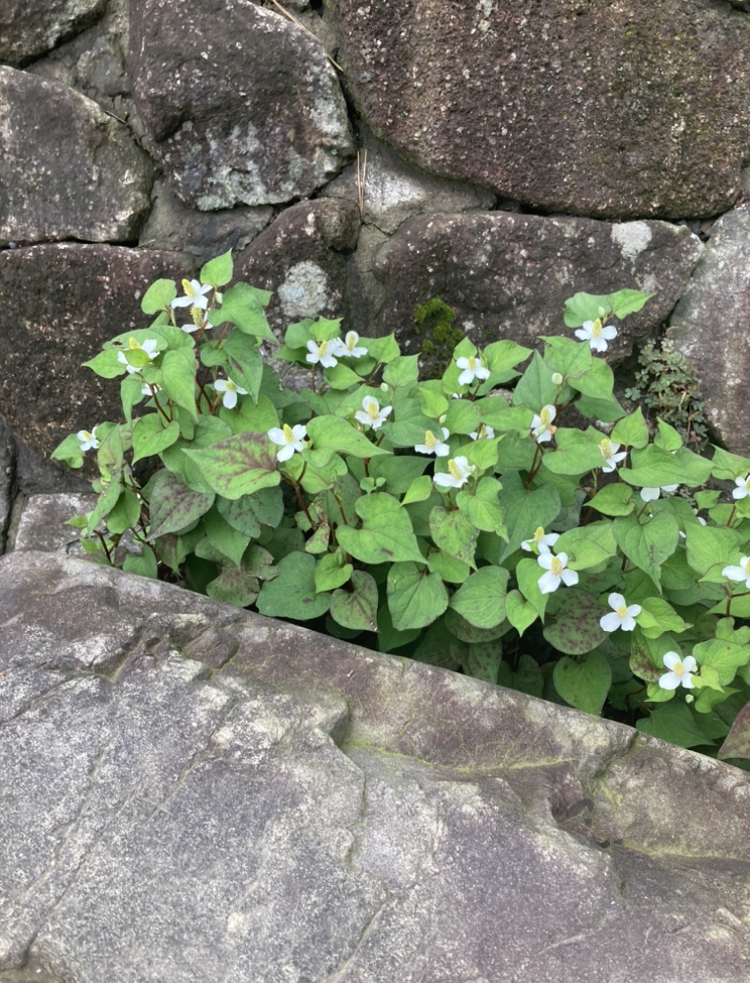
461	520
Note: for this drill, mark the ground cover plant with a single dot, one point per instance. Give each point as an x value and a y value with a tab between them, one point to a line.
462	521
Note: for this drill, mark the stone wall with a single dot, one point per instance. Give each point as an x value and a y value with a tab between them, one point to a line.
361	158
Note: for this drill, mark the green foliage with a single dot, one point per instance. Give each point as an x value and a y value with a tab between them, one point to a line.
432	518
666	384
436	318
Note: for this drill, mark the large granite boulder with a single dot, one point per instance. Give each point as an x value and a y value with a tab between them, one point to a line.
62	301
191	792
241	106
68	170
507	275
625	110
28	30
711	326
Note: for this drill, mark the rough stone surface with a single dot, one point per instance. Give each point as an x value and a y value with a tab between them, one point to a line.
28	30
257	121
66	300
626	110
68	170
710	327
42	524
508	275
302	259
172	225
192	793
393	191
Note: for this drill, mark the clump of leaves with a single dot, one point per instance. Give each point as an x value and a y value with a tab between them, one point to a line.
666	385
436	319
434	519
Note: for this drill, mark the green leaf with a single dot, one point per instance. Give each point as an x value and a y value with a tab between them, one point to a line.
525	509
481	600
737	743
257	418
383	350
125	513
341	377
615	499
151	436
568	357
574	626
658	616
587	546
448	567
585	307
528	573
453	534
293	593
462	417
575	454
144	565
106	364
650	544
711	548
218	271
631	431
357	608
606	410
419	490
667	437
501	356
234	585
178	372
388	637
526	679
224	537
597	383
483	661
159	296
402	371
332	571
520	612
676	723
458	625
724	656
173	506
535	388
336	434
585	684
399	472
386	535
238	465
482	509
653	467
69	451
415	598
728	466
244	362
626	302
259	563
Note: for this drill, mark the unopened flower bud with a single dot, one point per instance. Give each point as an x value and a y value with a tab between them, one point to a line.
557	378
385	387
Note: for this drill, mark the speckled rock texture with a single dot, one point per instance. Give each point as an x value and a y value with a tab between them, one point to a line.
191	792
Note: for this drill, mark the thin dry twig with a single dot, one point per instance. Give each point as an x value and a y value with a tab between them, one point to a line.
294	20
361	178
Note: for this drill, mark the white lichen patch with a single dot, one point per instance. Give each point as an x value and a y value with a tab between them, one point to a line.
631	238
304	292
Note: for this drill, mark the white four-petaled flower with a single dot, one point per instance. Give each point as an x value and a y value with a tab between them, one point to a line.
743	487
622	615
472	369
323	352
596	334
557	572
483	432
347	347
195	295
543	541
371	414
89	440
230	390
610	454
433	444
149	347
742	572
680	673
651	494
541	424
458	473
290	439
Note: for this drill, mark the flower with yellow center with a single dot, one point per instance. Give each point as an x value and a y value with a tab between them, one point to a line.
680	673
347	348
458	473
195	295
609	452
472	369
596	334
541	540
541	424
230	390
434	444
557	572
290	439
89	440
322	352
742	572
621	615
371	414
